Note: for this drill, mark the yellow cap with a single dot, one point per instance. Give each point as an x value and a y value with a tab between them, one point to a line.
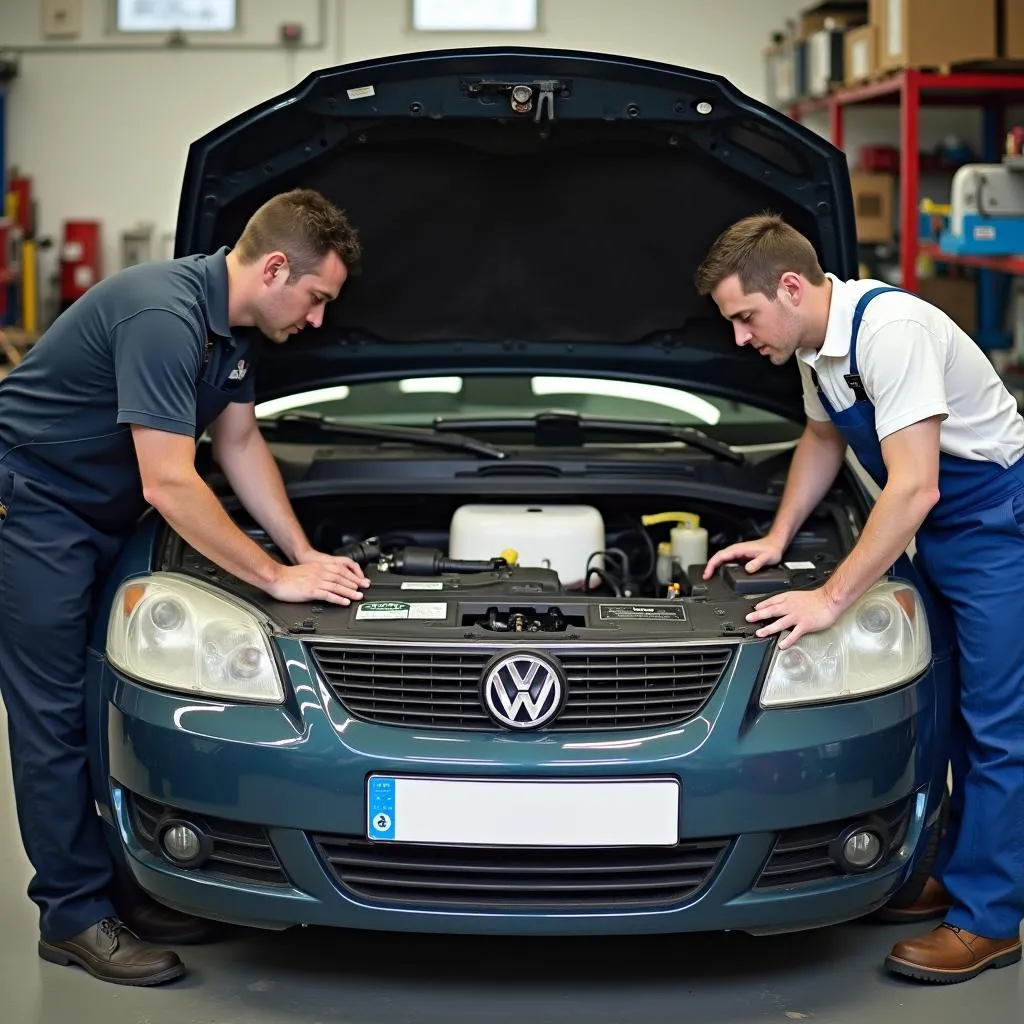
510	555
664	548
683	518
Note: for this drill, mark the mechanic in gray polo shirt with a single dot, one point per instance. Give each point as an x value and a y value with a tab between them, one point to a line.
100	419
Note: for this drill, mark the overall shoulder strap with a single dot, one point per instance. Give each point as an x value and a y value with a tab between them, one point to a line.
853	377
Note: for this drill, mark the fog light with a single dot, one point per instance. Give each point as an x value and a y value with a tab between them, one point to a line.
182	843
862	850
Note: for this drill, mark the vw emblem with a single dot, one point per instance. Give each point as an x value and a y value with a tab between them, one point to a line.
523	691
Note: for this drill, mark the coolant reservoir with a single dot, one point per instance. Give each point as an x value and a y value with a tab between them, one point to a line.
689	540
558	537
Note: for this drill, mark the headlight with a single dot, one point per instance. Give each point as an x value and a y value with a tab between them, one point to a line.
878	643
175	634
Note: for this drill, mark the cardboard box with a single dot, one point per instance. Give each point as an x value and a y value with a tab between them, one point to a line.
861	54
825	51
841	15
957	297
1012	24
873	200
932	33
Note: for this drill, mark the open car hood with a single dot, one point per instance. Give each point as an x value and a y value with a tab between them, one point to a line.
560	239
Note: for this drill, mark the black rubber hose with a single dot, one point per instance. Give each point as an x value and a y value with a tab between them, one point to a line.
430	562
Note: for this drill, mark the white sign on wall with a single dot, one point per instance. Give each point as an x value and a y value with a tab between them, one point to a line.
176	15
474	15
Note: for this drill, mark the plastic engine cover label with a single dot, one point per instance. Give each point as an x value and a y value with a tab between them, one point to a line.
402	610
644	612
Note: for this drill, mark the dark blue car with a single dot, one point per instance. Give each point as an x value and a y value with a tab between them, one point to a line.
529	428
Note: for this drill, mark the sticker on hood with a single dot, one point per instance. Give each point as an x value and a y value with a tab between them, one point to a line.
402	610
664	612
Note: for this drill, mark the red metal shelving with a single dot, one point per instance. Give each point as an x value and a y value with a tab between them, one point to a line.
911	89
1004	264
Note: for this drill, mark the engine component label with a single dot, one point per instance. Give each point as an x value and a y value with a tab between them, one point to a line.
401	610
794	566
644	612
425	585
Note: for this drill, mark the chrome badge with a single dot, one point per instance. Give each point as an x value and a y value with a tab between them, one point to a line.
523	691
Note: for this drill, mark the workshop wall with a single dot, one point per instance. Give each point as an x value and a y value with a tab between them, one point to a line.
103	124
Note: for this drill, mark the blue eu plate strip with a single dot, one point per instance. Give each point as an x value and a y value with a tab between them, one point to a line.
380	822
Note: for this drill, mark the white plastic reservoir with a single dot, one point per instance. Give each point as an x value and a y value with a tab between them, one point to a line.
559	537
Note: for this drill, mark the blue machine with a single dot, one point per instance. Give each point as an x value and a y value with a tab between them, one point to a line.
987	216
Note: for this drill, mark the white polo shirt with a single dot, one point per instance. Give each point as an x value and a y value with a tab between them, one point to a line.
914	362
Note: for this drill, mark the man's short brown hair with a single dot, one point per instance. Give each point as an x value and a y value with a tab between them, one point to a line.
305	227
759	250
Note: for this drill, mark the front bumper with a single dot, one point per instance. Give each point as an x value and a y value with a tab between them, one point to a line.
282	790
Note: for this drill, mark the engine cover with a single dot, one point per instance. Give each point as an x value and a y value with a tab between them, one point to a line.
458	608
515	600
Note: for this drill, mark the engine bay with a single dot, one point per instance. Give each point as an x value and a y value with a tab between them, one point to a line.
449	569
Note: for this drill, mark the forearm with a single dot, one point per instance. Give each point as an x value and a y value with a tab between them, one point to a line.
193	511
812	472
254	477
891	526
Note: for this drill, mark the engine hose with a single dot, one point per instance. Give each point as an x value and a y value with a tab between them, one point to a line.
430	562
361	552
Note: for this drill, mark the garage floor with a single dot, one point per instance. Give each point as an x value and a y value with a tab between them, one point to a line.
323	977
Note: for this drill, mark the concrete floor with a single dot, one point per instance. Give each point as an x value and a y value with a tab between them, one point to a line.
314	976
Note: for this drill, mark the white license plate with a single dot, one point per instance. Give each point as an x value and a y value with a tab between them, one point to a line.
484	812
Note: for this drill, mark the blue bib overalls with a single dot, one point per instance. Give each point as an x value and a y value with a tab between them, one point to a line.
59	538
971	553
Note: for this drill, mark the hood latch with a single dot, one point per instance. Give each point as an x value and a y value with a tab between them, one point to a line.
522	96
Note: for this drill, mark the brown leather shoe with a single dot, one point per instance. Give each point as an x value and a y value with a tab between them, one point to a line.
110	952
934	902
949	954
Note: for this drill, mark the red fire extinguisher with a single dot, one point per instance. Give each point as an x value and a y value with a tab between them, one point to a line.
79	259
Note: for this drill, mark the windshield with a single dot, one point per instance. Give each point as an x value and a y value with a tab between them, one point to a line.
419	401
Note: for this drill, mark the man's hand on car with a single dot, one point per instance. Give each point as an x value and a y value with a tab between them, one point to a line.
344	565
764	551
319	576
802	611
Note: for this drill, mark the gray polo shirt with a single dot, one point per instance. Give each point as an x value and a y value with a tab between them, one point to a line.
150	345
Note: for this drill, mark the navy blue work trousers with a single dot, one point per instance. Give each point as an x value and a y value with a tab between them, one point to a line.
50	563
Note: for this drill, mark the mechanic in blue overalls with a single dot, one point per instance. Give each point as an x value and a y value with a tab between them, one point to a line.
101	417
894	378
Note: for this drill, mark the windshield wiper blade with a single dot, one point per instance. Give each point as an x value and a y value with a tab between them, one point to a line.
570	429
373	432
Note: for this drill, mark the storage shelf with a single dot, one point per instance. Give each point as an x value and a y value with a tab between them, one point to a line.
990	90
958	88
1005	264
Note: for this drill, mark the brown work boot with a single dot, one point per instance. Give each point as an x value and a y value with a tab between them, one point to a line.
110	952
949	954
934	902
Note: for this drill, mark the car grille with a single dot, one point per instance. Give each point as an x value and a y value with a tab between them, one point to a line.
241	852
610	688
801	855
509	878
